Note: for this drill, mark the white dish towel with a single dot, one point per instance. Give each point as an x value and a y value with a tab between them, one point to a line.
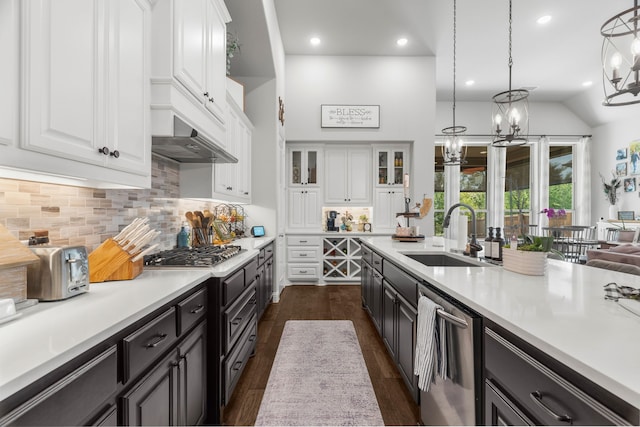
431	344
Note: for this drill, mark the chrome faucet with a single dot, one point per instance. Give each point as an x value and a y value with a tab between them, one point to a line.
474	247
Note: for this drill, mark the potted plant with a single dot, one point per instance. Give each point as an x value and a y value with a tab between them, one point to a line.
625	234
530	258
362	219
611	193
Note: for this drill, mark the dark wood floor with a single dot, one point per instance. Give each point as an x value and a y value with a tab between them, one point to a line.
334	302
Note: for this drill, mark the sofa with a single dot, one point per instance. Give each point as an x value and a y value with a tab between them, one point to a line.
623	258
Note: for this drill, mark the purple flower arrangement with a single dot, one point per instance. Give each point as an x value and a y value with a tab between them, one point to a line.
552	213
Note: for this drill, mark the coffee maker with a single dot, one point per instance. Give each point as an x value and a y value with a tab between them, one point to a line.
331	221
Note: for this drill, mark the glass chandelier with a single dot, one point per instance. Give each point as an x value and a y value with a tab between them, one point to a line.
621	58
454	151
510	110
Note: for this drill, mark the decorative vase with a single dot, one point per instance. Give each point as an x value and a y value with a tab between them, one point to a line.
525	262
613	211
626	235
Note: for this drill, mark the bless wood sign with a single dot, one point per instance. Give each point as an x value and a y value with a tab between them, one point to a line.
350	116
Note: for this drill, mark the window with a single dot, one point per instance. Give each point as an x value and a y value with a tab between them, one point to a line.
561	181
473	186
517	196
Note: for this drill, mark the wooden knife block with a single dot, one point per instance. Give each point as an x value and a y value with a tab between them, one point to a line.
110	262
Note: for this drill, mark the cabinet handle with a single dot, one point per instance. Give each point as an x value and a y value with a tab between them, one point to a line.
376	262
303	271
198	309
252	301
210	99
236	321
229	188
536	396
237	365
246	193
157	341
302	241
303	255
103	150
252	338
115	153
206	94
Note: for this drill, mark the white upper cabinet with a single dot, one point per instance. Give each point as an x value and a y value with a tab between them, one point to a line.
391	163
347	176
303	164
9	87
85	90
189	66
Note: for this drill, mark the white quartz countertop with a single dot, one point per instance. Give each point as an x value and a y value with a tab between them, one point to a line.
49	334
563	313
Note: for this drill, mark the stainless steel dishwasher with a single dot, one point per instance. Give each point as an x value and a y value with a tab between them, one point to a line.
456	400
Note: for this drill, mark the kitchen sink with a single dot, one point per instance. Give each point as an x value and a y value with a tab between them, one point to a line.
444	260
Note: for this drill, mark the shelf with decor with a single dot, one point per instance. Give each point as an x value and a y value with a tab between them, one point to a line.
341	258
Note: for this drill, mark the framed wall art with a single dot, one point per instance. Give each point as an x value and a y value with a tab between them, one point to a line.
629	184
621	153
621	169
350	116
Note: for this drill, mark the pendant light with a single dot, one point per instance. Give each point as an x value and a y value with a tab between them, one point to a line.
621	58
510	110
454	151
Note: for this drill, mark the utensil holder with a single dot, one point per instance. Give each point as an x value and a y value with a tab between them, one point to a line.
105	260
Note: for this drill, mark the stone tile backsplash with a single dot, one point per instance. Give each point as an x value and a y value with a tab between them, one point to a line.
86	216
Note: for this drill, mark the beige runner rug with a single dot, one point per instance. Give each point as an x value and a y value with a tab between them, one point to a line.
319	378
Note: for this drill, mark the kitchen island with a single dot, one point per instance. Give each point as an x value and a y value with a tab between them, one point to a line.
563	314
50	335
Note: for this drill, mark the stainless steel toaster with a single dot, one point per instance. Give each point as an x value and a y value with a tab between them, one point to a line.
63	272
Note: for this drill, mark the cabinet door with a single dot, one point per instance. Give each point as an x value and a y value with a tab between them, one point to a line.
499	411
63	44
9	38
377	299
225	173
335	173
193	373
296	208
216	58
268	287
243	167
365	286
312	210
190	46
128	112
406	318
303	166
153	401
388	319
359	176
388	203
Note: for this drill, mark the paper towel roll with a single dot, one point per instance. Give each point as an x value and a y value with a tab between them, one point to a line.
461	236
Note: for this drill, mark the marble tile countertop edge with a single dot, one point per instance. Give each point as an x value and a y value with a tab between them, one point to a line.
50	334
563	313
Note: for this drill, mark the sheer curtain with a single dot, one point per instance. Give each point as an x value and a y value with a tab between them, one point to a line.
497	165
543	183
582	182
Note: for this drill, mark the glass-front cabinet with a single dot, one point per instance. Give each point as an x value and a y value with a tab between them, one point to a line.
303	165
391	165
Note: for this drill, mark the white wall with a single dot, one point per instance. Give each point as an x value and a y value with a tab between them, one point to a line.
404	87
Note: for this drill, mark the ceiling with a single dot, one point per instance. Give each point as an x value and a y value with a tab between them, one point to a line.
555	58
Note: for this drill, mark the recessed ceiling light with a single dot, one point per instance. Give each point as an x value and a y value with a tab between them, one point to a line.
544	19
315	41
587	83
402	41
470	82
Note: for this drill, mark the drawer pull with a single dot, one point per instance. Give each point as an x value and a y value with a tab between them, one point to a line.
536	396
302	254
237	366
236	321
252	338
198	309
252	300
376	262
303	241
157	341
303	271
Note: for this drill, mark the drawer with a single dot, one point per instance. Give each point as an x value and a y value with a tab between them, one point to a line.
145	345
268	251
298	254
304	271
232	286
538	391
303	240
367	255
250	272
406	285
238	315
83	391
191	310
236	361
262	256
376	262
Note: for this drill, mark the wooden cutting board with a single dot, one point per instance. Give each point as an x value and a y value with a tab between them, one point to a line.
12	252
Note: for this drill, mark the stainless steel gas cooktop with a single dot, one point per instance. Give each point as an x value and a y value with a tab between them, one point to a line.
203	256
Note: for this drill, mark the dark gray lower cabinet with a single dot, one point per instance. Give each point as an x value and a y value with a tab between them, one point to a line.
399	334
500	411
174	392
376	299
541	395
